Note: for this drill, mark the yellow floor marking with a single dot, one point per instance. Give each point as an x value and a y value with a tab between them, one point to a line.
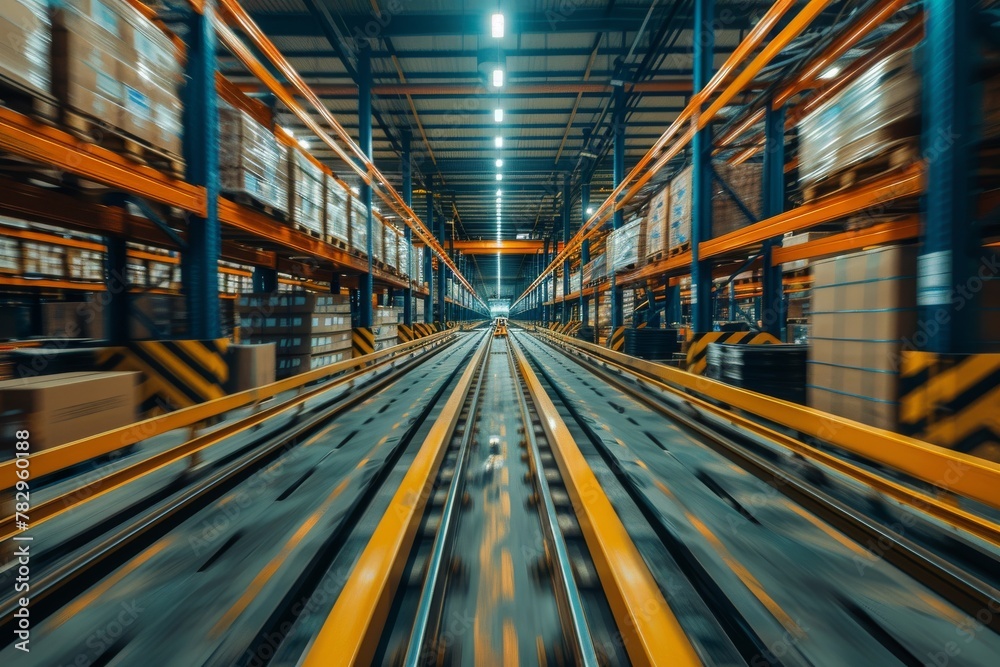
510	647
851	545
505	505
313	440
100	589
543	660
746	577
641	464
505	476
507	574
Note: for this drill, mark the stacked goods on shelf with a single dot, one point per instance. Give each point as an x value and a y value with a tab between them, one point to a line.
391	246
652	343
250	366
112	68
864	310
753	367
791	240
658	225
137	274
336	210
155	316
10	255
628	304
745	182
153	110
25	50
252	163
308	330
727	216
378	239
872	123
626	246
595	270
306	205
358	226
559	285
418	266
574	282
43	259
69	406
88	265
384	326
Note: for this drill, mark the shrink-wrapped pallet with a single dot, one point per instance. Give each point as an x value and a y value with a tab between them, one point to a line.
625	246
391	247
871	116
680	210
359	226
378	239
26	50
151	79
658	223
727	215
306	201
252	164
595	270
336	210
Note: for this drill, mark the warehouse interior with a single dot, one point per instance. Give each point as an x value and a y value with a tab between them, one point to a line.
517	332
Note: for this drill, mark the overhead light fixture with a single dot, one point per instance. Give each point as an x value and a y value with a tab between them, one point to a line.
498	78
498	115
304	144
287	131
496	26
499	163
830	73
499	177
498	142
498	203
355	190
590	210
499	192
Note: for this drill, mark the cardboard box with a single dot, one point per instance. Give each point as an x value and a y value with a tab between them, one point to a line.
658	223
25	51
680	209
57	409
250	366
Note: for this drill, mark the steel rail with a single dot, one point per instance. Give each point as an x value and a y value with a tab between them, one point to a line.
350	634
583	646
431	597
651	633
954	472
94	489
59	458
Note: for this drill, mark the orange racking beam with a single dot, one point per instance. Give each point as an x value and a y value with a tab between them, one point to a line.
896	231
42	143
505	247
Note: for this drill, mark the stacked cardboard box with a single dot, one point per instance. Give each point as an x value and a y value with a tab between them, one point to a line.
62	319
864	310
308	330
574	282
626	245
391	249
26	47
250	366
658	223
150	81
85	265
306	205
10	255
801	238
873	114
336	210
43	259
727	216
251	161
61	408
385	326
359	226
595	270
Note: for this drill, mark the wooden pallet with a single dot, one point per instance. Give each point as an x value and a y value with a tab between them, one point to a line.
679	249
655	257
24	100
309	231
902	153
245	199
338	243
107	136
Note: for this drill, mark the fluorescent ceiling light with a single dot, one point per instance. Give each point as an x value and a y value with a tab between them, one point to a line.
304	144
287	131
355	190
498	115
496	26
498	78
498	142
590	210
499	177
499	163
499	192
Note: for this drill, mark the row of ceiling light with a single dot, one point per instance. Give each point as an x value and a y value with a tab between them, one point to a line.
497	32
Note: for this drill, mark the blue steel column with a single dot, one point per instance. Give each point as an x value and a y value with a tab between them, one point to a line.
116	315
428	258
948	287
566	264
200	264
584	252
617	294
545	283
442	310
701	178
772	311
407	167
367	286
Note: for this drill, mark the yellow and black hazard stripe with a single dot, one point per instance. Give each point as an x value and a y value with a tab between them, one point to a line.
697	351
420	330
175	373
952	400
362	341
616	341
642	325
404	333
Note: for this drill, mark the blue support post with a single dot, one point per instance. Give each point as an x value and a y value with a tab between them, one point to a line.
545	283
618	164
407	168
367	286
772	310
200	263
701	177
428	258
265	279
584	252
116	315
672	307
566	263
948	287
442	274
